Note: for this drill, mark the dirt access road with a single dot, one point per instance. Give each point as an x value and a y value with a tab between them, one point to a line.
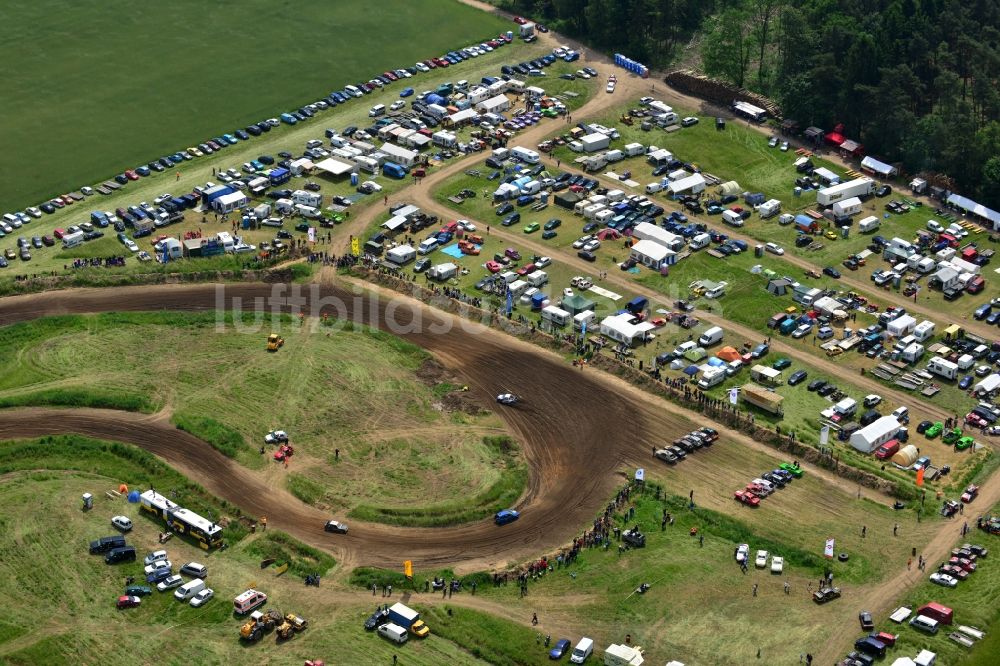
422	197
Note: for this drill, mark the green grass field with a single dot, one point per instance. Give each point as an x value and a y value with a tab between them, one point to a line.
61	601
92	90
225	388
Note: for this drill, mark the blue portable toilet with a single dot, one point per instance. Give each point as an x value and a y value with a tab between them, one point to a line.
544	196
510	35
538	300
354	179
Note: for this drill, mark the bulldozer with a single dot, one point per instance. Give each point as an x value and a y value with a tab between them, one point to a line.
274	342
292	625
259	623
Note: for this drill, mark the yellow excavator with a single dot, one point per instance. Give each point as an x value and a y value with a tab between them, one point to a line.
274	342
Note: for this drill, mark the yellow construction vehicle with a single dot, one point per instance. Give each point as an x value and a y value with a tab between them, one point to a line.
292	624
274	342
258	624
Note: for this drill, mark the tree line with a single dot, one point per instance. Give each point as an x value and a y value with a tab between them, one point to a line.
915	81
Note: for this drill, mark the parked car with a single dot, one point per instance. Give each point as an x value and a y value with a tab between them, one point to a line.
169	583
202	598
865	618
128	601
122	523
943	579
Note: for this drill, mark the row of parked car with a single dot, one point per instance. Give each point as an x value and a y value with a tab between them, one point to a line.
220	142
689	443
767	483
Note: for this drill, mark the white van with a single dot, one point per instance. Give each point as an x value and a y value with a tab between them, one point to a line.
582	650
354	91
427	246
653	188
732	218
72	239
377	110
699	241
710	337
684	348
925	624
393	632
901	414
189	589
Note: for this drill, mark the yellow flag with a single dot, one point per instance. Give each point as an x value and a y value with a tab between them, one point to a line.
408	568
356	246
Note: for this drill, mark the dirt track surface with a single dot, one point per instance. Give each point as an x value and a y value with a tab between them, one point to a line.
568	425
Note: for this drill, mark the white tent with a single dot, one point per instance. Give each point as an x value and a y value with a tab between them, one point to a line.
875	434
872	165
988	385
650	253
620	329
692	184
334	167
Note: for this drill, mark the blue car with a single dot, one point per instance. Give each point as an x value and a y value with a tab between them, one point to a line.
506	516
159	575
560	649
406	92
965	382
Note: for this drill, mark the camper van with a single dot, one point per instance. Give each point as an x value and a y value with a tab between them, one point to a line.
525	155
712	377
710	337
377	110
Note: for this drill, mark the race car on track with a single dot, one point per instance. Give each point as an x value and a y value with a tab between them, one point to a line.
336	527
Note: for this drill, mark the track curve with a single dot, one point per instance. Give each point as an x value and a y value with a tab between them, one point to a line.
571	426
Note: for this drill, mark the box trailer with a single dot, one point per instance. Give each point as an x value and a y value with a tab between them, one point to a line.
760	397
633	149
443	272
403	615
850	206
859	187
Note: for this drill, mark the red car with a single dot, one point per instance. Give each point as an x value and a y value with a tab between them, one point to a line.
131	175
59	233
285	451
756	490
390	75
524	270
963	563
493	266
970	493
953	571
975	420
432	63
886	637
520	20
744	497
127	601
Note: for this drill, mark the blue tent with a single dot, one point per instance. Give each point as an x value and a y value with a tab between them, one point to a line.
715	362
691	370
133	496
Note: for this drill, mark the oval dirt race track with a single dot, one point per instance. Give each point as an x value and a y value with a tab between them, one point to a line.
574	431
